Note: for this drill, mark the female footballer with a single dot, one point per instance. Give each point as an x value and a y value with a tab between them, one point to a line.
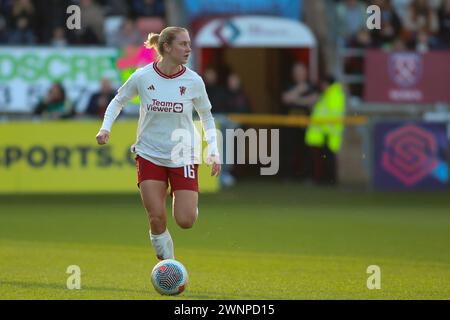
168	92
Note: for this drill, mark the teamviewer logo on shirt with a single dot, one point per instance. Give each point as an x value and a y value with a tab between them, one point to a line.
178	107
165	106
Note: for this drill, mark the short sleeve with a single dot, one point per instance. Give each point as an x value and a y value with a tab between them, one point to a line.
201	100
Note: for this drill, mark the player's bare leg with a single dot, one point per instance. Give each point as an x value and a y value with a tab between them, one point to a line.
184	207
153	194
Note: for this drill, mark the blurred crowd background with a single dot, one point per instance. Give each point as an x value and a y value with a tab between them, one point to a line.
300	85
407	24
413	24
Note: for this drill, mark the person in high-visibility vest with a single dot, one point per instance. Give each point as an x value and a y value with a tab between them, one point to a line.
326	128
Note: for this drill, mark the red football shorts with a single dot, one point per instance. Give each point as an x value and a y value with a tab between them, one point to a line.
181	178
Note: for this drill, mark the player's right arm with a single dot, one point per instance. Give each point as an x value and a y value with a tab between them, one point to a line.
102	137
125	93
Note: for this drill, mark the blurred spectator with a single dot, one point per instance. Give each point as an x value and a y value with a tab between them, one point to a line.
92	22
297	99
300	95
351	17
22	33
3	30
55	105
420	17
50	14
99	101
148	8
218	97
116	8
391	24
319	18
423	42
444	24
127	35
236	99
398	45
362	39
401	8
23	9
59	37
22	20
216	93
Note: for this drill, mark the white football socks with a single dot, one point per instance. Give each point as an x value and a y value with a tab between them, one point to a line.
163	245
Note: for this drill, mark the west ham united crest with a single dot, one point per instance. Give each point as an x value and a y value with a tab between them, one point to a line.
405	69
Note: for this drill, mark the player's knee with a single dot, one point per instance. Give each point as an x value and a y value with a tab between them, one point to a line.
157	218
186	222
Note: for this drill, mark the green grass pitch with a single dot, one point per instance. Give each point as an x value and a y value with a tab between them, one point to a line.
255	241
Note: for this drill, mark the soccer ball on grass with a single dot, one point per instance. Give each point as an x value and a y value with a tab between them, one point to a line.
169	277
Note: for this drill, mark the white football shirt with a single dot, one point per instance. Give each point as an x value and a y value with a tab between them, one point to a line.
165	118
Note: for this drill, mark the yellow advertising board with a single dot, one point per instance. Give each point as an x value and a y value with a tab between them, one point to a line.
63	157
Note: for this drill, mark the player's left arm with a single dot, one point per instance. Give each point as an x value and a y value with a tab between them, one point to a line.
203	107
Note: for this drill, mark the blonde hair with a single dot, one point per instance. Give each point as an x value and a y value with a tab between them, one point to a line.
167	35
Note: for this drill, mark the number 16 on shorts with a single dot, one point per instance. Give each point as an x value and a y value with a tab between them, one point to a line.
189	171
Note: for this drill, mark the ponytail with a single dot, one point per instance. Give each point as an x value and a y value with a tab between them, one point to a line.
152	41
